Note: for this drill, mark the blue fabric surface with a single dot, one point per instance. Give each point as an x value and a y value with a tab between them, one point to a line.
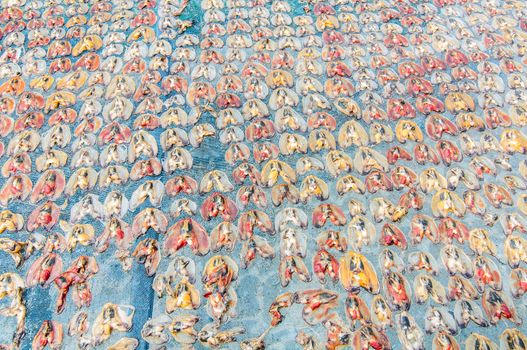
258	285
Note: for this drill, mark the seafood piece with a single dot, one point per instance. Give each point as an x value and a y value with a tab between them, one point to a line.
475	341
88	206
224	235
147	253
173	137
291	265
451	229
438	319
445	202
355	271
211	336
424	153
328	212
118	108
282	301
152	190
467	177
437	125
218	204
78	324
44	216
318	304
17	187
113	175
199	132
466	311
253	193
181	184
183	295
180	327
430	180
381	209
422	226
337	333
338	162
381	314
498	306
221	306
512	338
115	205
357	311
44	270
287	118
125	344
19	251
497	195
186	232
274	169
324	263
50	334
361	232
112	318
392	235
390	261
263	151
408	200
255	246
486	273
370	336
378	181
282	192
456	261
407	130
149	218
332	239
458	101
514	251
398	291
215	180
113	153
513	141
421	260
461	288
350	183
82	234
75	278
50	185
426	286
313	186
410	334
518	278
291	143
12	286
83	179
141	144
219	272
480	242
18	163
253	220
